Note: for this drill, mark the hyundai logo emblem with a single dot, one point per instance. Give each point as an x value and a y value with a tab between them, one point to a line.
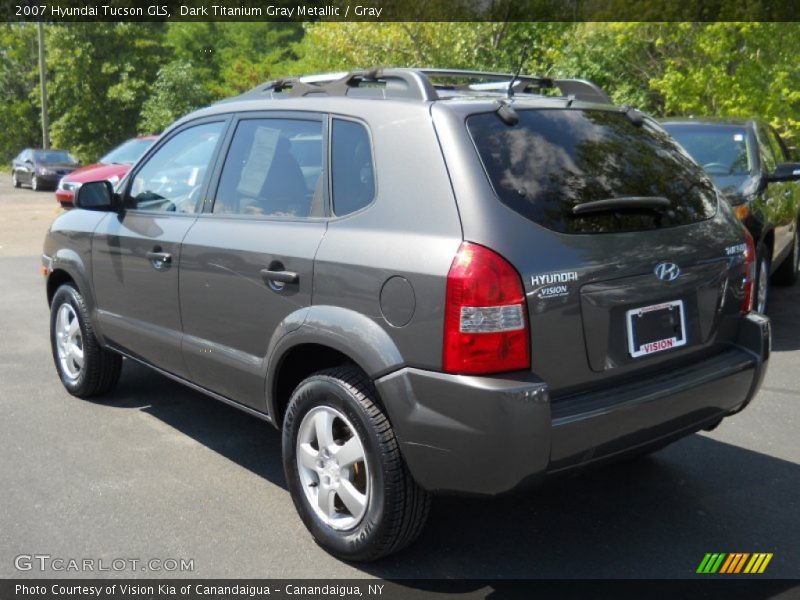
667	271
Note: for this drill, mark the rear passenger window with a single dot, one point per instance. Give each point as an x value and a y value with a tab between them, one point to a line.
351	167
273	168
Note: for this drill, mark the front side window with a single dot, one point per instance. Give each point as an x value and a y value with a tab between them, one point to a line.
172	178
351	167
556	159
273	169
768	156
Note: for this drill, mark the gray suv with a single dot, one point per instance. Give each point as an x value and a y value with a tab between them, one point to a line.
430	281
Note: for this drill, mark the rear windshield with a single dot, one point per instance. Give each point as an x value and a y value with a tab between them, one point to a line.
555	159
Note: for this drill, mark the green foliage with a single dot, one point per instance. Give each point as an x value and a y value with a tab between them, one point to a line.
702	69
347	46
19	104
177	91
100	75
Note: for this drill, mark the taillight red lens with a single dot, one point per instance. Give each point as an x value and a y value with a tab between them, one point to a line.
749	272
486	323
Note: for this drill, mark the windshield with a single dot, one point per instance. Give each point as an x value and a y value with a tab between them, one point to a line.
54	156
556	159
127	153
722	150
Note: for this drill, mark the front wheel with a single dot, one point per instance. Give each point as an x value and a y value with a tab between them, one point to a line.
86	369
35	185
344	470
787	272
15	179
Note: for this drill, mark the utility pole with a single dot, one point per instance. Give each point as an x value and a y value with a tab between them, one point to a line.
43	85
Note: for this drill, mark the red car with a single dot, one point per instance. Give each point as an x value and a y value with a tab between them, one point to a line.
112	167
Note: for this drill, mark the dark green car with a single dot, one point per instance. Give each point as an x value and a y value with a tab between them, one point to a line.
748	160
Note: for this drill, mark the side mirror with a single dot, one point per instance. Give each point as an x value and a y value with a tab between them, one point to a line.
785	172
97	195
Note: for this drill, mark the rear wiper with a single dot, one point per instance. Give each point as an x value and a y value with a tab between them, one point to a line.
656	203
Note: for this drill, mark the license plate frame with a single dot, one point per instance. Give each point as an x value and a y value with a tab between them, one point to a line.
648	348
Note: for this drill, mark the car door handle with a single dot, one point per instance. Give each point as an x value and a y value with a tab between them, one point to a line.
280	276
163	258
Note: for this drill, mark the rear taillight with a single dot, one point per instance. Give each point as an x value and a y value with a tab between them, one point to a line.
486	324
749	272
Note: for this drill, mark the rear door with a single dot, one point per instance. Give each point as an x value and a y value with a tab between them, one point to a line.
136	253
613	288
249	261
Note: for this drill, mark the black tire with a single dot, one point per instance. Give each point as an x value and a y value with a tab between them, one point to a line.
15	179
101	368
786	274
35	183
396	507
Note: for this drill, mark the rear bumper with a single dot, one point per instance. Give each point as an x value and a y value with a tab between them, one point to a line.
487	435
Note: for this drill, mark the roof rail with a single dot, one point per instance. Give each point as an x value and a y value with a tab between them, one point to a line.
416	84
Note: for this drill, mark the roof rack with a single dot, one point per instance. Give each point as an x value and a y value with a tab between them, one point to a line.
417	84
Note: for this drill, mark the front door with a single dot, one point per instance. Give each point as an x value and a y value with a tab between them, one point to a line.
136	253
248	263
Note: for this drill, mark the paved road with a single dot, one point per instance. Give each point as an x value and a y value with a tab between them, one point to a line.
159	471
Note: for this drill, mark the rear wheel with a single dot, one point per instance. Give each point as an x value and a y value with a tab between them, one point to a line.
15	179
787	272
344	469
86	369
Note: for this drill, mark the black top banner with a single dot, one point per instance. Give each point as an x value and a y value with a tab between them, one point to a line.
400	10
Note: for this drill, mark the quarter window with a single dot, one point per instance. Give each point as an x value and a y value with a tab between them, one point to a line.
172	178
273	168
351	167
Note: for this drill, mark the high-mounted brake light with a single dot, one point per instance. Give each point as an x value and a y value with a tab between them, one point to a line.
486	325
749	271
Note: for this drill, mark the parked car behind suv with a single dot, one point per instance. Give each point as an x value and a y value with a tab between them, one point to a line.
41	168
425	284
111	167
749	161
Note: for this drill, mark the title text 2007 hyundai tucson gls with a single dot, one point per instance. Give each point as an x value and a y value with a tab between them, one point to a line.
429	284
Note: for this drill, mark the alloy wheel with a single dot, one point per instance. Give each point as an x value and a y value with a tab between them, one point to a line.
332	465
69	341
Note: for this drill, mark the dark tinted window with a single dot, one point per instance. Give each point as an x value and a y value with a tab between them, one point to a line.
352	169
54	156
555	159
721	149
273	168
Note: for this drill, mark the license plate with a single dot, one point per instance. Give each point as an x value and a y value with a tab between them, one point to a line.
656	328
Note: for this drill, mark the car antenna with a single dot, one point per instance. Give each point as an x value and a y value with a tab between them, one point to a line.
506	112
522	58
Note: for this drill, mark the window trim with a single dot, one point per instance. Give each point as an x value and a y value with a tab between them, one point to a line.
260	115
224	119
365	125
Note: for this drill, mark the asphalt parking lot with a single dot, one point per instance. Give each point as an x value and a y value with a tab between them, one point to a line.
160	471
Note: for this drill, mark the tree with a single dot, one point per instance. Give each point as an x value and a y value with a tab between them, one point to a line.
19	100
176	91
101	74
492	46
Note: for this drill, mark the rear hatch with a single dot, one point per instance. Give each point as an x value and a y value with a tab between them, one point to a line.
630	261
